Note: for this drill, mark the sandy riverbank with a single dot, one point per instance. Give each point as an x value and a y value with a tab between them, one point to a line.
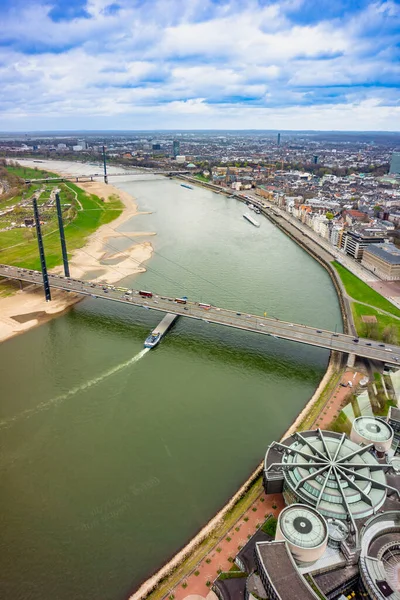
26	309
89	258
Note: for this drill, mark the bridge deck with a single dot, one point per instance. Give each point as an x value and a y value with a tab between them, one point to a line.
93	176
262	325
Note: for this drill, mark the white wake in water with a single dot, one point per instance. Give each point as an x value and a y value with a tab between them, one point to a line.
80	388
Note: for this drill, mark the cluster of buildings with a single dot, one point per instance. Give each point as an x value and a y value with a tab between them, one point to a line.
357	214
339	535
316	149
345	187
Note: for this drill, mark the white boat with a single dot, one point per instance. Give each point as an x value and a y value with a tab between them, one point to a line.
250	219
152	340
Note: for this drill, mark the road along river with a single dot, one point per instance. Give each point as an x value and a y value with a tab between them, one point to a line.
112	458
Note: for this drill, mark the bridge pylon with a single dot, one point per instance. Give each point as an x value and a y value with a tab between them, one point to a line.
62	236
46	284
105	165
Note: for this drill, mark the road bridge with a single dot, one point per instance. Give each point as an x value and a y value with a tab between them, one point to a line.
94	176
295	332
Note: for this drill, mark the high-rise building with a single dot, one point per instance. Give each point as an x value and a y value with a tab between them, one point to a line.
176	148
315	159
395	164
279	139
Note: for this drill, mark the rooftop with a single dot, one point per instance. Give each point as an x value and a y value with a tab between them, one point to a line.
326	470
387	252
303	526
373	429
282	571
394	413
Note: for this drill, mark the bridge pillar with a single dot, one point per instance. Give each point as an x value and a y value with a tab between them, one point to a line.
62	236
105	165
46	284
351	359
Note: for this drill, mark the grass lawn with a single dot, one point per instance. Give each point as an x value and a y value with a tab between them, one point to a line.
19	246
360	291
384	321
341	424
29	173
317	407
269	526
202	178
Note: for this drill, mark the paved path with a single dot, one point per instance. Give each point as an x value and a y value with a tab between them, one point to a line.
385	312
218	557
338	399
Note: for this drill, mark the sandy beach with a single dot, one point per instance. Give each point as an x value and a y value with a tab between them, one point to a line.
28	308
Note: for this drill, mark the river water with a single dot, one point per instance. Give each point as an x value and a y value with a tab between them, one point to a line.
111	457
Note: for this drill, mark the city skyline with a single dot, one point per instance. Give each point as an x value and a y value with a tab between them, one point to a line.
216	64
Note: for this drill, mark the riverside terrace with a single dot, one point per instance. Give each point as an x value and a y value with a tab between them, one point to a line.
211	314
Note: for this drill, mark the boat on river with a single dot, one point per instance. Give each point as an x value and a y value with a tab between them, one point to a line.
189	187
250	219
152	340
158	333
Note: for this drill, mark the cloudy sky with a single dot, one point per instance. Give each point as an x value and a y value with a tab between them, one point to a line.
199	64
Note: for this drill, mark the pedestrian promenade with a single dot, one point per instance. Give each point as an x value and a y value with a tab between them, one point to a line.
217	560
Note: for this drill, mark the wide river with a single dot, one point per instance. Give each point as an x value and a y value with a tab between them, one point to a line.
111	460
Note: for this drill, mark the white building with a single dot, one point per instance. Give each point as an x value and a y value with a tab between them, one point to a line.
335	235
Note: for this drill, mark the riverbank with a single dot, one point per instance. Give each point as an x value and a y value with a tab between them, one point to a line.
188	559
90	258
27	308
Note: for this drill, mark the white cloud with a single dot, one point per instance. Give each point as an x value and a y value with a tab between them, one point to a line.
235	64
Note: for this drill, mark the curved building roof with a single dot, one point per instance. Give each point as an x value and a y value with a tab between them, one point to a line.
329	472
373	429
303	526
380	556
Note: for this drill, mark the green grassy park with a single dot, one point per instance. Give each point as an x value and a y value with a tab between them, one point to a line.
360	291
201	177
83	213
386	328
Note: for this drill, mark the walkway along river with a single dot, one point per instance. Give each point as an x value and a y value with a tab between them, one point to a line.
112	458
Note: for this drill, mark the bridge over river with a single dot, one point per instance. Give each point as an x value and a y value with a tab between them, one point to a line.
94	176
295	332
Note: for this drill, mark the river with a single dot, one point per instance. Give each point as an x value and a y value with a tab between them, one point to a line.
112	458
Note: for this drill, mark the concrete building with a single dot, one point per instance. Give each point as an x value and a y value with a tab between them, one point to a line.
336	235
393	419
319	223
180	159
306	481
264	193
395	164
382	259
380	557
339	536
370	430
279	574
354	243
305	531
176	148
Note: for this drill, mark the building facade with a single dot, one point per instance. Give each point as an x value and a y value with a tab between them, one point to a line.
354	243
395	164
384	260
176	148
